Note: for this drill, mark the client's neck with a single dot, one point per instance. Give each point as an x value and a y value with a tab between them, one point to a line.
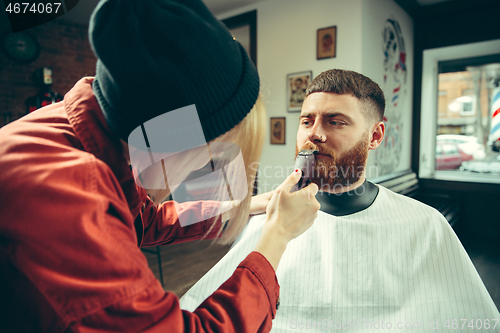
348	202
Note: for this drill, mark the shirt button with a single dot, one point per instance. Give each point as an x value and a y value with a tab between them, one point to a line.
143	207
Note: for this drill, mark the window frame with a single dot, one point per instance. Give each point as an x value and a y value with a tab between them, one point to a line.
429	104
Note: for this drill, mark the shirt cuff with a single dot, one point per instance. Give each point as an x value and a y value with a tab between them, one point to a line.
213	225
262	269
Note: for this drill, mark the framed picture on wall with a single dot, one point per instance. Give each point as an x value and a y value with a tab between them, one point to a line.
326	43
278	131
296	85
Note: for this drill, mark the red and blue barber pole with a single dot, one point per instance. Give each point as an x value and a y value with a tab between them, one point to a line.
495	121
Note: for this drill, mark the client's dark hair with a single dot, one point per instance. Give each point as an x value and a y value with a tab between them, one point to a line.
338	81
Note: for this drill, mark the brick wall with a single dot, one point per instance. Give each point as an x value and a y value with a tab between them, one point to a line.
64	47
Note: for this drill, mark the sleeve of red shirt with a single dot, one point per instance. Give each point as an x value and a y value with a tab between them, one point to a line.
135	301
245	303
161	222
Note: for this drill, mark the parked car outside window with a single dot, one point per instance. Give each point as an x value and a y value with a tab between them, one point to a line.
468	144
449	156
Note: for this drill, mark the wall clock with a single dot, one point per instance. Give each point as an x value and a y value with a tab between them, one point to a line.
20	47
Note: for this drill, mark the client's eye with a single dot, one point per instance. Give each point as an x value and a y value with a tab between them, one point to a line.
337	123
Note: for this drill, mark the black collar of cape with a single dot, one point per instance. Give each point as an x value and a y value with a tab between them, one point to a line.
346	203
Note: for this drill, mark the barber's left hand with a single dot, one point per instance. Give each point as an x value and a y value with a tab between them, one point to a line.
259	203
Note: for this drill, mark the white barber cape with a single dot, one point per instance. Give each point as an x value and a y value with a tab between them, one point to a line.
396	265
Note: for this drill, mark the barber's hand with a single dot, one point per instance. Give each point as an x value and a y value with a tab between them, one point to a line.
259	203
288	216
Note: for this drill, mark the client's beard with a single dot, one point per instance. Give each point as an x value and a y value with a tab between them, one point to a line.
341	170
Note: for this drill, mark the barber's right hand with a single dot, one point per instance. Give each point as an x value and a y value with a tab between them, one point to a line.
288	216
292	213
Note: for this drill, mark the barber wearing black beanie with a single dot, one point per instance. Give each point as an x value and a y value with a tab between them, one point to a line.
171	85
158	56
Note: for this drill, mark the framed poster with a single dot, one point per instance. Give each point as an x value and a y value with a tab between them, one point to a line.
296	85
278	131
326	43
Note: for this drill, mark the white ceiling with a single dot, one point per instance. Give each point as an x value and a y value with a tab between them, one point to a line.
82	11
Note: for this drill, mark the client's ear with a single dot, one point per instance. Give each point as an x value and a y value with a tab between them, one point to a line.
377	132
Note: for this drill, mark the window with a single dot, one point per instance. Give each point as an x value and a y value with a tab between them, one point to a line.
459	84
468	105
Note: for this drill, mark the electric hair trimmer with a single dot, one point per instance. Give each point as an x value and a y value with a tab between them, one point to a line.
305	162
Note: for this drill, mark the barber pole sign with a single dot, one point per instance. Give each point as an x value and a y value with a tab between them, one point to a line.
495	121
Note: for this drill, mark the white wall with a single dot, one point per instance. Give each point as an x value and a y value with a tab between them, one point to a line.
286	43
395	153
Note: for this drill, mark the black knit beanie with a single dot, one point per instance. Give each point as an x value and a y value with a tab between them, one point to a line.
155	56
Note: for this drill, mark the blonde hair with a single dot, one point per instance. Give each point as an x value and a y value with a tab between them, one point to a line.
249	136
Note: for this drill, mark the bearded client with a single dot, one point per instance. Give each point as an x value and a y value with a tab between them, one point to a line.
374	259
